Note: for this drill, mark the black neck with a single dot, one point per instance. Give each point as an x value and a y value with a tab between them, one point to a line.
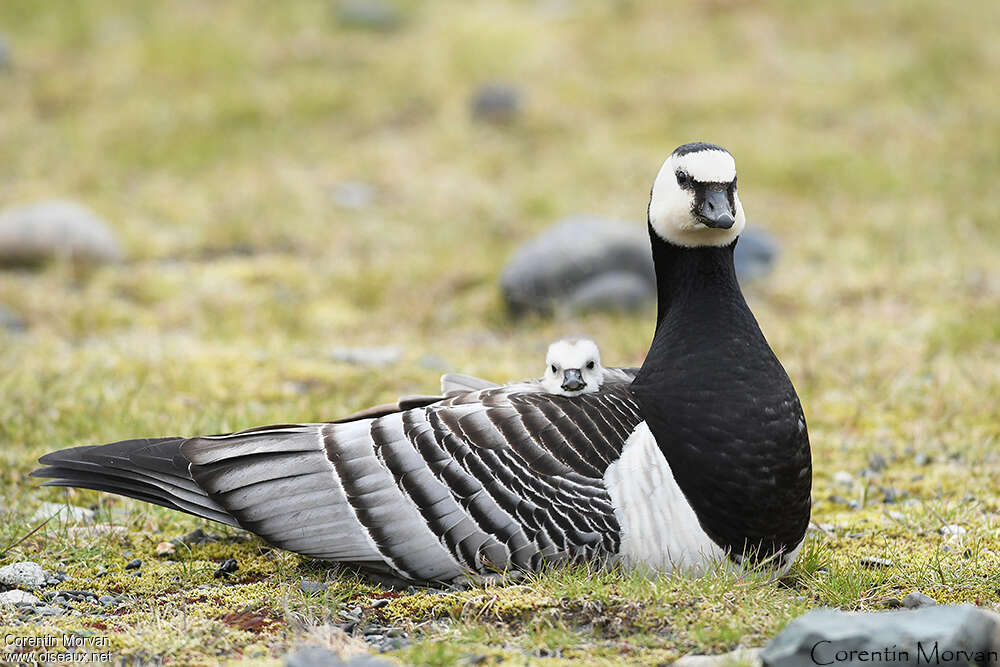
702	279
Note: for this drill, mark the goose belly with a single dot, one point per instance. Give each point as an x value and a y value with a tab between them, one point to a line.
659	528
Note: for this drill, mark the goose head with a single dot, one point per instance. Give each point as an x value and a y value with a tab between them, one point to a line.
573	367
694	200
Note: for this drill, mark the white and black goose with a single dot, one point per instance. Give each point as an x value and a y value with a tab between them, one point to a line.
702	456
572	367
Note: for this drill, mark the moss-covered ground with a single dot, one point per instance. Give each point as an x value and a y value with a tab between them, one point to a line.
211	136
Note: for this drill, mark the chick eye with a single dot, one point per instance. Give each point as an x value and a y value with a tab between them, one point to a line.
554	369
590	365
682	178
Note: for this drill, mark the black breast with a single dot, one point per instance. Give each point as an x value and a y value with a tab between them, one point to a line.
722	408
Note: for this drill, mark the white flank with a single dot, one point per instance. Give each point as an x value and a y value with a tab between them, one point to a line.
659	527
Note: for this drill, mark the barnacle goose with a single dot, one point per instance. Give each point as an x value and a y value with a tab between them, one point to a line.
572	367
700	456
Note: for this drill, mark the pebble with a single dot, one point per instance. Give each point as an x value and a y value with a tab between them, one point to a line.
871	561
368	356
11	321
309	587
49	610
952	529
876	462
107	600
843	478
229	566
165	549
133	564
497	103
315	656
197	536
921	459
890	603
25	574
65	512
355	195
916	600
34	233
378	15
16	597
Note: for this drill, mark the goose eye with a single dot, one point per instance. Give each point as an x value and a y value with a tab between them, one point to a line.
554	369
682	178
590	365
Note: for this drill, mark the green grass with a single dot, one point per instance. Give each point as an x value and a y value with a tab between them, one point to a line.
210	136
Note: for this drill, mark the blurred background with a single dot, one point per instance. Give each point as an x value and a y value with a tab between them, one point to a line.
216	215
248	192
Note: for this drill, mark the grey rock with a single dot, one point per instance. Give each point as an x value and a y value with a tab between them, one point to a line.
356	195
229	566
10	320
586	262
35	233
378	15
873	562
133	564
618	290
901	637
107	600
63	512
498	103
26	575
49	610
368	356
876	462
314	656
309	587
16	597
916	600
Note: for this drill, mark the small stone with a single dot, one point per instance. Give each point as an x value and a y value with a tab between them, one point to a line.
195	537
35	233
843	478
921	459
309	587
871	561
229	566
497	103
952	530
368	356
916	600
133	564
876	462
378	15
891	495
889	603
11	321
313	656
378	604
165	549
16	597
63	512
26	575
48	610
355	195
107	600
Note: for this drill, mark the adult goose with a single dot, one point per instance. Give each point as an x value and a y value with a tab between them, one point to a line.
700	456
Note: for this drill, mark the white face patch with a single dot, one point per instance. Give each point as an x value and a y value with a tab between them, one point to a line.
671	207
581	355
